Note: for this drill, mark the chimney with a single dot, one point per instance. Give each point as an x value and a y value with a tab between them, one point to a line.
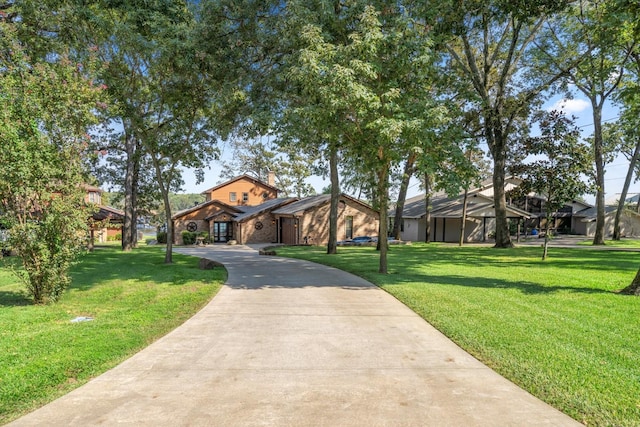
271	180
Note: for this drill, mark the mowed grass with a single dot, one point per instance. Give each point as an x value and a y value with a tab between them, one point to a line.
630	243
558	328
134	299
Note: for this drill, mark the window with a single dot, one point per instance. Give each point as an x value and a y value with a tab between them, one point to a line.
245	197
232	196
349	227
94	197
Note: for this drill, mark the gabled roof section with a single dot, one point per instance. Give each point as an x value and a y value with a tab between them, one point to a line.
415	207
486	188
303	204
312	202
591	213
231	209
107	212
250	211
92	188
238	178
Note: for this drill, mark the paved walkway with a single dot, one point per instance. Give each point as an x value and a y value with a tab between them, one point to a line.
292	343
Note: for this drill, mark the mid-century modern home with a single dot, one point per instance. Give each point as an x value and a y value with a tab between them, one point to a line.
526	213
247	210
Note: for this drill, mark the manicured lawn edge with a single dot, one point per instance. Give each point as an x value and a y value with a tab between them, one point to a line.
133	299
557	328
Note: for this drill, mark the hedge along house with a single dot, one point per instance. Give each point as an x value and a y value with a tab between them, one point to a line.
306	221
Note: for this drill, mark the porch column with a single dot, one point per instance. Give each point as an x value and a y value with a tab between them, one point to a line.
444	226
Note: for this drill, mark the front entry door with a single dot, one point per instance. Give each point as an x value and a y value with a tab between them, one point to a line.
221	231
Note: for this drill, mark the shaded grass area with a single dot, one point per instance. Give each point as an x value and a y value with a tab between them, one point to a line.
558	328
631	243
134	298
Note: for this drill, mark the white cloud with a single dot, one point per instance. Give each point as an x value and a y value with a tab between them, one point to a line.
570	106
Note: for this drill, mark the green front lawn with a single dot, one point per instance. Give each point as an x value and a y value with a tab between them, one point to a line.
134	298
632	243
557	328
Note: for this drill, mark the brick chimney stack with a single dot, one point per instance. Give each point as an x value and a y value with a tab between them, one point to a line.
271	180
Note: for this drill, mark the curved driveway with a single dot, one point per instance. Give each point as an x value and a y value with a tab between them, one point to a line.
292	343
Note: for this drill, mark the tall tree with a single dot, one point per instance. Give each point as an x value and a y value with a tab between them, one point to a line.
585	29
409	169
557	166
258	158
375	85
48	102
489	47
629	96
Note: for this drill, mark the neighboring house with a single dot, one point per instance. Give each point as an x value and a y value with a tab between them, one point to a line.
565	219
307	220
243	190
525	213
585	222
274	220
446	218
106	221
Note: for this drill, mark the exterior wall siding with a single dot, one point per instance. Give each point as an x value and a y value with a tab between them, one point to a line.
314	225
257	192
265	232
198	216
411	230
629	226
475	230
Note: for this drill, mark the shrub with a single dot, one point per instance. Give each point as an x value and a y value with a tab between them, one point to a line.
189	238
205	236
161	237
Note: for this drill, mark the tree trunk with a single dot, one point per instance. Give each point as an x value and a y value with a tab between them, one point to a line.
427	205
383	203
503	239
134	195
402	196
598	238
634	287
464	216
625	190
164	192
546	237
168	255
129	188
335	198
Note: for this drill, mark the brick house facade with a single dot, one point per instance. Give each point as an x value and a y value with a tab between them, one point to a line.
274	220
242	191
307	220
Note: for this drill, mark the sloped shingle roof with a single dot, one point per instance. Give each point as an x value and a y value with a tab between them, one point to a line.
250	211
245	176
312	202
237	209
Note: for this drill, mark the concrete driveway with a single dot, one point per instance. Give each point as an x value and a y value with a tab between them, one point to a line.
292	343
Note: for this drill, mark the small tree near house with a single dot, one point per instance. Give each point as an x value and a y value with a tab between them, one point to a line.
556	165
47	107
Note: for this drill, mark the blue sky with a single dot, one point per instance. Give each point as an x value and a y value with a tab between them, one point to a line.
578	106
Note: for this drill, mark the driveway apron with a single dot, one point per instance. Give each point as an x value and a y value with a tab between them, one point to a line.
293	343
